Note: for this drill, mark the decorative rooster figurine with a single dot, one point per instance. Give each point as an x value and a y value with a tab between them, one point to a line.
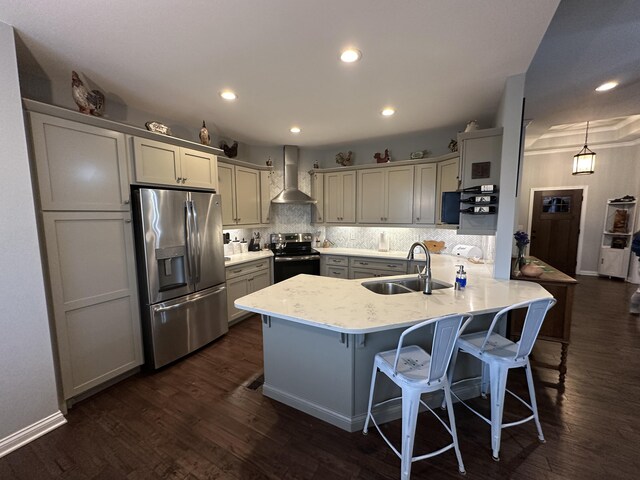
229	151
344	159
380	159
205	138
89	102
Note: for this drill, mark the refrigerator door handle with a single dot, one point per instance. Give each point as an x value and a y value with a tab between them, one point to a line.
164	309
196	243
189	229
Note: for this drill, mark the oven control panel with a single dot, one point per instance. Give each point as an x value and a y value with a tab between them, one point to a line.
291	237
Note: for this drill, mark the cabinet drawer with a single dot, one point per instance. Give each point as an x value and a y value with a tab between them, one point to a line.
337	261
391	266
246	268
356	273
337	271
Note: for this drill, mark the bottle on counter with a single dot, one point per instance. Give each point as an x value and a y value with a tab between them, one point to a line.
461	278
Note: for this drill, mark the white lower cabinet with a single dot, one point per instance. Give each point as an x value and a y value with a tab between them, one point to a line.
368	267
94	295
245	279
338	266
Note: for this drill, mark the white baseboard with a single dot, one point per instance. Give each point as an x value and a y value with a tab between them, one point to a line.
588	273
30	433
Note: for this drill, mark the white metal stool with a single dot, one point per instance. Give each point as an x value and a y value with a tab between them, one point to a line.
417	372
499	355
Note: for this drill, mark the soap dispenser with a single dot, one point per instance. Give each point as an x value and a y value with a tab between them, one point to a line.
461	277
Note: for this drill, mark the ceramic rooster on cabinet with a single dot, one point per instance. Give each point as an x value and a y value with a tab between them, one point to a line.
205	138
229	151
89	102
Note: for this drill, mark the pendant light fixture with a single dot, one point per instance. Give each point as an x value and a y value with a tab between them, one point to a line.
584	161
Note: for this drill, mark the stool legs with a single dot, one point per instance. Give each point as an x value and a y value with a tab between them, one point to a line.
452	425
498	389
410	407
534	404
365	430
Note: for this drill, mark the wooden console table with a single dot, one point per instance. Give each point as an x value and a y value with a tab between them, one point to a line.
557	324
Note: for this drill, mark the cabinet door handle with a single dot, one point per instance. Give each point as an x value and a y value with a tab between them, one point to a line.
238	220
417	219
179	179
237	271
364	263
126	202
128	220
184	180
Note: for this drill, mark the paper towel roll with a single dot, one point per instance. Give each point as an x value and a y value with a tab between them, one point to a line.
383	242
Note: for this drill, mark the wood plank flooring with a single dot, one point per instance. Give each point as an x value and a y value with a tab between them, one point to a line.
198	419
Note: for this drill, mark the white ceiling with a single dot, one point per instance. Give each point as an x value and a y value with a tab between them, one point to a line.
439	63
588	42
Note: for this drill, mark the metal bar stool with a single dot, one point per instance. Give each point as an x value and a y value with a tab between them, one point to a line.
417	372
499	355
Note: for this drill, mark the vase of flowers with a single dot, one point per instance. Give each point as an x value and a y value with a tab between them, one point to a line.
522	240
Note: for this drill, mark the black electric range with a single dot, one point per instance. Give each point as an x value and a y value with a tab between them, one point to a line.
293	255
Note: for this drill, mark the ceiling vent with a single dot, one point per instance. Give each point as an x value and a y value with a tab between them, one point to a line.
291	194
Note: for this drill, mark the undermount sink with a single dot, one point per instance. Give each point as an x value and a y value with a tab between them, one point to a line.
406	285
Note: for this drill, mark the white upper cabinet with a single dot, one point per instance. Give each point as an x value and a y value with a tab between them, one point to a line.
424	203
385	195
79	167
163	164
340	197
240	190
265	196
317	193
199	169
448	181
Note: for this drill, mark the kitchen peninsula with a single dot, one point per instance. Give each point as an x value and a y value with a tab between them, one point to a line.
321	334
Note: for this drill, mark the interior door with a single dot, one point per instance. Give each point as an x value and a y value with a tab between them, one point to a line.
555	228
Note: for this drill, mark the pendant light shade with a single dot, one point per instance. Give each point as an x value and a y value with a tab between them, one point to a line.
585	160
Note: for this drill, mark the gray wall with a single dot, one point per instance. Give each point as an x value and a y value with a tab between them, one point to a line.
616	174
27	381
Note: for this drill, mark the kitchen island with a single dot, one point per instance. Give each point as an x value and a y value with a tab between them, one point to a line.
321	334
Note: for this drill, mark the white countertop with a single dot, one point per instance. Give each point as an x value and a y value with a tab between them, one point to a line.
348	307
246	257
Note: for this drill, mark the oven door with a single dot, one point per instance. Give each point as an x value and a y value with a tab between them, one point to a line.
287	267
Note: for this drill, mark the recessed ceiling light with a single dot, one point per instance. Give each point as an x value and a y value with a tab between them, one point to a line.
387	112
606	86
294	129
228	95
350	55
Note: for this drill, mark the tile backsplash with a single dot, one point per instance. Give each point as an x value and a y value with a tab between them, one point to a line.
297	218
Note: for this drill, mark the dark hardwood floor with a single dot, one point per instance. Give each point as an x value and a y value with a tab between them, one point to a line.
201	418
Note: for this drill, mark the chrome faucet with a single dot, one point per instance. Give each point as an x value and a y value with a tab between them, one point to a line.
425	273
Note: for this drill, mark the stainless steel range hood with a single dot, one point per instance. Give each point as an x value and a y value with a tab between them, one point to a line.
291	194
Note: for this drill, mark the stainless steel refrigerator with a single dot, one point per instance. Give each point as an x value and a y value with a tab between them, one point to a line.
180	259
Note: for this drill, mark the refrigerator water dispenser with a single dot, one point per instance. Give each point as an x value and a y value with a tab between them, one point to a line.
171	267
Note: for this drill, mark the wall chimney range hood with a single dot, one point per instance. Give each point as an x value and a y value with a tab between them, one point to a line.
291	194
